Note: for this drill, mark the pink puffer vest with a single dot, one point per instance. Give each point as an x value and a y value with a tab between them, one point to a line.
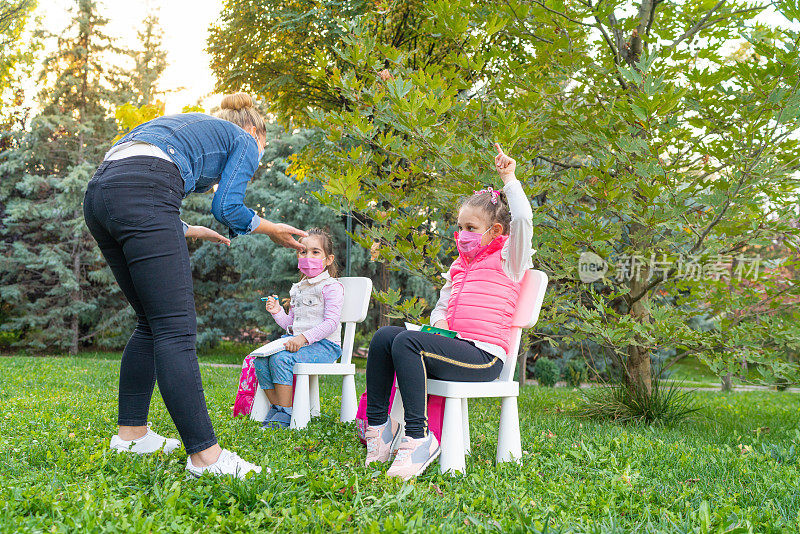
483	299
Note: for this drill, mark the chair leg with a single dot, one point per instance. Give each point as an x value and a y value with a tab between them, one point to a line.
349	407
397	411
509	444
301	411
261	406
313	385
452	458
465	423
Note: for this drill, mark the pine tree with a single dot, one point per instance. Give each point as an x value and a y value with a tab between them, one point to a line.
60	291
149	63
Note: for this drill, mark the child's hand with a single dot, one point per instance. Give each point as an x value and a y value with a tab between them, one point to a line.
206	234
504	164
293	344
273	306
441	323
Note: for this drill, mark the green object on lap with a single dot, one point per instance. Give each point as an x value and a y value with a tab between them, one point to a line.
440	331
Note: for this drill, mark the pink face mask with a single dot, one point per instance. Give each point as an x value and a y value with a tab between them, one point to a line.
311	267
469	243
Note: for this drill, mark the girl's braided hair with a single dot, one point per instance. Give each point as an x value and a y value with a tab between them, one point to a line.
493	203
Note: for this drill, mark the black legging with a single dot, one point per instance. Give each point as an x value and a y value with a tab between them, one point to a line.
415	356
132	209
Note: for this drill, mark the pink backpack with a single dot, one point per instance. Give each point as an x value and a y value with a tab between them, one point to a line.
248	384
435	415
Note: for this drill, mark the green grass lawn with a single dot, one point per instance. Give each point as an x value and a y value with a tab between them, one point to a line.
226	352
733	466
693	372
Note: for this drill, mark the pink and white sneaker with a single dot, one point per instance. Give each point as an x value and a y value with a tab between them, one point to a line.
382	440
413	456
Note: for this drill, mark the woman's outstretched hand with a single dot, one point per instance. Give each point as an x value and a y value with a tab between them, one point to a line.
281	234
206	234
504	164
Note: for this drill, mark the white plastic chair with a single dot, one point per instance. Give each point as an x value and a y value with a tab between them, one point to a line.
455	427
306	403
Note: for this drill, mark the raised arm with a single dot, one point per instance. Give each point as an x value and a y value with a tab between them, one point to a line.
518	249
283	319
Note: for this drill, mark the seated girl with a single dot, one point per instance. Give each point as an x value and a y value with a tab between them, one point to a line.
477	301
313	325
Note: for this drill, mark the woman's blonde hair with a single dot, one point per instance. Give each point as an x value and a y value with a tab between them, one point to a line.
238	109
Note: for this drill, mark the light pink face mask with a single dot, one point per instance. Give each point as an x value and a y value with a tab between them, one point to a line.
469	243
311	267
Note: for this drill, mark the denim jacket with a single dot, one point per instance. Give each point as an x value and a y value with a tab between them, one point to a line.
208	151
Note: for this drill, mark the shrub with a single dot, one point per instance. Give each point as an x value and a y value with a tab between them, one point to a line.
546	372
624	404
575	373
9	337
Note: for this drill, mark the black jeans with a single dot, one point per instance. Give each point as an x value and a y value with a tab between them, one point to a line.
132	209
416	356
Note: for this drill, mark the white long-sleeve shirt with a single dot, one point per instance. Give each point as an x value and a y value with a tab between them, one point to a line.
516	256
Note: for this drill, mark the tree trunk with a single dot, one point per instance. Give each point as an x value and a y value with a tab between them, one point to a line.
523	370
727	384
638	369
74	325
637	366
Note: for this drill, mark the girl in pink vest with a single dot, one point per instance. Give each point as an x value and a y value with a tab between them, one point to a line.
477	301
313	325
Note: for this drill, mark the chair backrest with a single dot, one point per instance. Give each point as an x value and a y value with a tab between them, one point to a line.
357	292
531	295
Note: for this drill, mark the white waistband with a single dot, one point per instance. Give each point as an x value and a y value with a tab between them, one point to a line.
135	148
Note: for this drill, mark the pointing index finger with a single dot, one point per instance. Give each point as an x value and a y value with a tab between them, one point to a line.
297	231
499	150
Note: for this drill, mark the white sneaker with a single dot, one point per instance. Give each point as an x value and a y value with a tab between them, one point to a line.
150	442
228	463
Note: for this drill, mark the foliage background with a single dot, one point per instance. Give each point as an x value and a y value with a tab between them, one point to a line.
642	129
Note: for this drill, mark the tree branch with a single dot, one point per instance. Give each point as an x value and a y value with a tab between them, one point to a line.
691	32
560	14
646	13
9	13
